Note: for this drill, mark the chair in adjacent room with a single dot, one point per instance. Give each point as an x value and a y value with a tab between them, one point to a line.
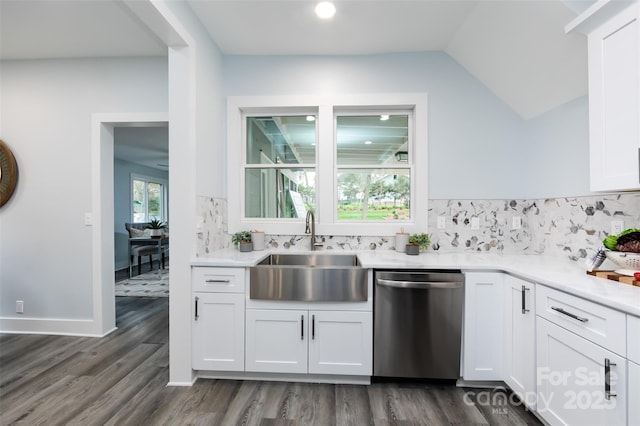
140	250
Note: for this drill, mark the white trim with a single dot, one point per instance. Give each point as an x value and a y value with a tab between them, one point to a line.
102	191
325	165
47	326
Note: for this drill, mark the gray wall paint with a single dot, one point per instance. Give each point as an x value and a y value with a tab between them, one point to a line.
478	147
122	171
47	107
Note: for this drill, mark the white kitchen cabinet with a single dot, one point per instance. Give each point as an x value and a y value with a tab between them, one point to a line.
218	319
316	342
341	343
614	99
483	326
633	354
276	341
218	332
520	338
573	385
634	392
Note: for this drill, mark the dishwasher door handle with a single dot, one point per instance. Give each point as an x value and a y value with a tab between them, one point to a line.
420	285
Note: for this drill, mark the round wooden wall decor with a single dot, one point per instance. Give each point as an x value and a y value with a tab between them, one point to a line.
8	173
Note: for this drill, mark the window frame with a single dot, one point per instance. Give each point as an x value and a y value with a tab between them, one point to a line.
164	201
325	107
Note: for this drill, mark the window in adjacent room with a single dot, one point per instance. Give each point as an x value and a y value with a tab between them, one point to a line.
148	199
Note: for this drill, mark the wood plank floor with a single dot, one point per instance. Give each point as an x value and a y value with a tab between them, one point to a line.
121	380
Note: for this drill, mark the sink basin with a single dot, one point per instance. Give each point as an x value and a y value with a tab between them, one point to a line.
311	260
309	278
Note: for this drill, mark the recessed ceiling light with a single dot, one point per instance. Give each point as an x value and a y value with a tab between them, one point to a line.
368	142
325	10
384	117
311	118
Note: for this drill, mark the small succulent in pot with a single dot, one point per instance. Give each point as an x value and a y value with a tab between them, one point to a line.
156	227
417	243
243	240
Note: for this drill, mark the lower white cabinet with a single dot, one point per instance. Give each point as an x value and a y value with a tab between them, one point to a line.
634	392
218	331
579	382
316	342
520	338
483	326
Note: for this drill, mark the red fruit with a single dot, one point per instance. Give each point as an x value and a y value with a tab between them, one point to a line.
636	276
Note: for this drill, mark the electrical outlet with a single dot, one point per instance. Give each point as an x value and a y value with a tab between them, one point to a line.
19	307
516	222
442	222
88	219
617	226
475	223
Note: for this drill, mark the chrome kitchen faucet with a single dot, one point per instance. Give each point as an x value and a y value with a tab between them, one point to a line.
311	229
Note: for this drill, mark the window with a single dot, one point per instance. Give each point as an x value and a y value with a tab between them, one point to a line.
373	167
358	161
279	171
148	199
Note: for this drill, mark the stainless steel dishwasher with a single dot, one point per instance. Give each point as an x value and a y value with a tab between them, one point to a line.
418	324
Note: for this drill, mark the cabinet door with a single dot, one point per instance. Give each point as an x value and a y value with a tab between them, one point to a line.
634	394
276	341
572	381
483	326
614	97
218	332
341	343
519	339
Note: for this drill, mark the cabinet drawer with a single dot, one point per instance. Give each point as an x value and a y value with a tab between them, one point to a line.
633	343
597	323
219	280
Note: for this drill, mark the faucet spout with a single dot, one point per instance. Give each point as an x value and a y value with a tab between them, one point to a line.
311	229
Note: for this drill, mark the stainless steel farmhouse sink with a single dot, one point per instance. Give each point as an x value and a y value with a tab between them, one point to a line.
309	278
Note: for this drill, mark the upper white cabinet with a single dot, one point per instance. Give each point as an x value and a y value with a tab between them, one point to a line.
614	94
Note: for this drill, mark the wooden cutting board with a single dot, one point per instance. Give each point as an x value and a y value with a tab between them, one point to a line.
611	275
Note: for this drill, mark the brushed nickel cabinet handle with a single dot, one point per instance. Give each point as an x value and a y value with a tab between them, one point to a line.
524	306
212	281
569	314
313	327
607	379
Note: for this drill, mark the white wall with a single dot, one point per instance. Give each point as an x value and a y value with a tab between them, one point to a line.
478	147
47	108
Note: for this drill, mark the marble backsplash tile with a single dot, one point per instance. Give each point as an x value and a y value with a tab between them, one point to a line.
572	227
212	225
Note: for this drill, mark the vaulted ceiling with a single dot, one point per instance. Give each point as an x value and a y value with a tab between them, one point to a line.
517	48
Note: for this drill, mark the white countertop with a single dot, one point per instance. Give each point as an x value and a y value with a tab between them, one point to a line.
561	274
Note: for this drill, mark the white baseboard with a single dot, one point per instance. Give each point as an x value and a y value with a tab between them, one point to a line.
62	327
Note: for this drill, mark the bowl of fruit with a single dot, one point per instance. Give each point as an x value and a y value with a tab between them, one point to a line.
624	251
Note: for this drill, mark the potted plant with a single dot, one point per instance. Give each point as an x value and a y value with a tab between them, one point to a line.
243	240
156	227
417	243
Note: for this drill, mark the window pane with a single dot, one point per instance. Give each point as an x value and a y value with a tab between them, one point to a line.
281	140
155	200
279	193
374	194
139	201
372	139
